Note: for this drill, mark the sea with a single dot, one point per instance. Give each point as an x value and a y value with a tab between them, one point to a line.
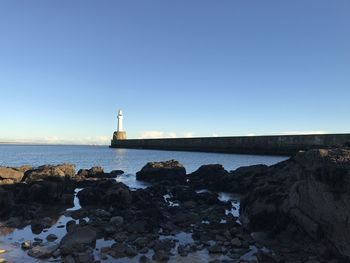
128	160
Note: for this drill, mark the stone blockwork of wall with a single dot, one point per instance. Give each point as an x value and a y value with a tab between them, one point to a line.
271	145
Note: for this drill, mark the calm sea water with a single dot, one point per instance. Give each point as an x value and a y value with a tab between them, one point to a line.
128	160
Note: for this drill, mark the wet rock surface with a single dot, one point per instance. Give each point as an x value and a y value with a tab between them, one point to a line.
311	191
294	211
160	171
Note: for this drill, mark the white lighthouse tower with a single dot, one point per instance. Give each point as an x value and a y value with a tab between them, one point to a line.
120	134
120	121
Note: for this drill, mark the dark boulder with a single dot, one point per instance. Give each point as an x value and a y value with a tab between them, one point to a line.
210	171
213	176
50	172
96	172
93	172
117	172
78	240
159	171
108	193
311	190
49	192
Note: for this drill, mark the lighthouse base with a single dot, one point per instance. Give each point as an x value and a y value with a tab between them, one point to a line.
119	135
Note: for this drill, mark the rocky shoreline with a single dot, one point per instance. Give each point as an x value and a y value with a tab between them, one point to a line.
295	211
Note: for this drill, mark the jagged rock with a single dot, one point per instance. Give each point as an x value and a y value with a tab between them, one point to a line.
215	249
71	225
144	259
50	172
160	255
93	172
117	220
84	257
106	193
117	250
77	240
210	171
10	175
43	250
312	190
117	172
23	168
159	171
49	192
236	242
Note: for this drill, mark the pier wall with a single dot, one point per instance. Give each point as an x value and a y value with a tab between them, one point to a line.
269	145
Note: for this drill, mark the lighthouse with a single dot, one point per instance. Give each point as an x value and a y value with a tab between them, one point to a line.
120	121
120	134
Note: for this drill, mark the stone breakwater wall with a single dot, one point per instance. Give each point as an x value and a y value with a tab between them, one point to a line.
270	145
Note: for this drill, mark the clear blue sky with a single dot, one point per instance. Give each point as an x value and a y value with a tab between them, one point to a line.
176	68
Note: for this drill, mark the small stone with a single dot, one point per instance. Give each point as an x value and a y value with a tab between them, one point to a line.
26	245
220	238
37	239
82	222
69	259
130	251
83	257
227	234
105	249
56	254
117	220
71	224
117	250
141	242
51	237
44	251
160	255
182	250
236	242
215	249
144	259
143	250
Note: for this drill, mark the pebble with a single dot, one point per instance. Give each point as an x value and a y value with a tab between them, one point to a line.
236	242
26	245
51	237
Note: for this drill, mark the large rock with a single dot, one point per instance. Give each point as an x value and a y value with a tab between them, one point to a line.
159	171
106	193
10	175
49	192
50	172
6	202
78	240
311	190
213	176
97	172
